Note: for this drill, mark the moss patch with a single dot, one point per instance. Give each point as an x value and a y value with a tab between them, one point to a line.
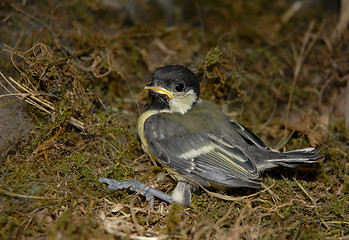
81	67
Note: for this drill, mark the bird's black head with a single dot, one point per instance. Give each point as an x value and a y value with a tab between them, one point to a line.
173	87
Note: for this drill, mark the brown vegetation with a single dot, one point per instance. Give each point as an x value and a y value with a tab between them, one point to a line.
72	78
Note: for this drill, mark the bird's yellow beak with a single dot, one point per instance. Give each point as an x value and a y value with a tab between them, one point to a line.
160	90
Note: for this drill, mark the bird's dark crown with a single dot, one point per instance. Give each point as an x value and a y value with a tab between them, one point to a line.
177	79
172	76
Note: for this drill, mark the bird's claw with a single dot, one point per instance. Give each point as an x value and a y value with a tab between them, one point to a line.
137	186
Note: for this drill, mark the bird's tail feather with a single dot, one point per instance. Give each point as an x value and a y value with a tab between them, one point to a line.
291	158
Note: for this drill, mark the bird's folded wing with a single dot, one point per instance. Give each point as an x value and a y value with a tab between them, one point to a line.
248	135
204	157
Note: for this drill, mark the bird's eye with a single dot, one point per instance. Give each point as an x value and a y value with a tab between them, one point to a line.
180	87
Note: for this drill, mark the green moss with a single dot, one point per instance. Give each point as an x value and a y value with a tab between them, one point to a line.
174	218
49	182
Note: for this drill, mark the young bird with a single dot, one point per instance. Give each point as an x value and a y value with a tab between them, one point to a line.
198	143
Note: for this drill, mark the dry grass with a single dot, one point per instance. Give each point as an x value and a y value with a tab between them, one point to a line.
81	66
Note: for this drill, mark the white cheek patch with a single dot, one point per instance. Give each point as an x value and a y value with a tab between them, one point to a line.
182	104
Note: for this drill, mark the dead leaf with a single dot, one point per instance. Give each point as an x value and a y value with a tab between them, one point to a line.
303	125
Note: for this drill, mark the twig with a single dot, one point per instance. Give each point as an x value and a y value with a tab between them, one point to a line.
272	194
305	191
30	96
313	201
16	195
291	11
307	45
227	197
133	215
36	19
343	21
139	158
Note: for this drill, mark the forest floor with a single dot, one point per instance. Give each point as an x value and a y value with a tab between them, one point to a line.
72	86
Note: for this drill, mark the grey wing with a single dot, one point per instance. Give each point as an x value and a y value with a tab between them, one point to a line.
203	157
249	136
